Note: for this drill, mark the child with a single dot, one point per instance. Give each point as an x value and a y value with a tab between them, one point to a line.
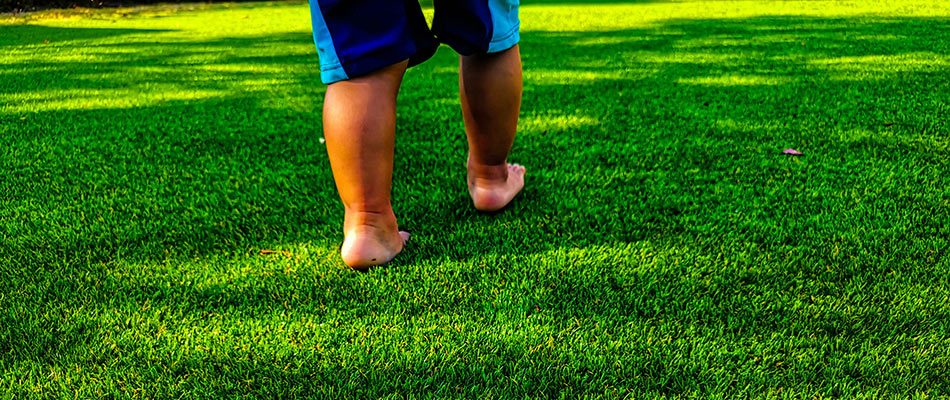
365	47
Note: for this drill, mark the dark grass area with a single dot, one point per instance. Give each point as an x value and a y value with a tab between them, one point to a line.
28	6
662	247
19	6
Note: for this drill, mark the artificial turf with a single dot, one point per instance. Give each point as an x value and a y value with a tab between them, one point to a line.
663	247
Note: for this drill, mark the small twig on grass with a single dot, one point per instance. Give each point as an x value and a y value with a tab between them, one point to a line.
266	252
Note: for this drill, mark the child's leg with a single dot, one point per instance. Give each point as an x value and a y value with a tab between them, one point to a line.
359	123
490	89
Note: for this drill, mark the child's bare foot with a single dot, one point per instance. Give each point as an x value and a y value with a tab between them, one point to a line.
493	186
371	239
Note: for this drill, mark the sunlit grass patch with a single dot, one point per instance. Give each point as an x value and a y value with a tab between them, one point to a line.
92	99
577	76
885	64
735	80
554	122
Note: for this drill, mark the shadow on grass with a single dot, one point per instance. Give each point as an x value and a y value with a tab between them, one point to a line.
26	34
628	134
668	136
430	3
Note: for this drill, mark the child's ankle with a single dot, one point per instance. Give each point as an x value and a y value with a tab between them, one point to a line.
382	219
486	172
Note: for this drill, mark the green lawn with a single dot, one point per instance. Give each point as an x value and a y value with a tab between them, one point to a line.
663	247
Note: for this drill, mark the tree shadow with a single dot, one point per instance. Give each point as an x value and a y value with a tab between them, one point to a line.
700	97
29	34
731	90
664	137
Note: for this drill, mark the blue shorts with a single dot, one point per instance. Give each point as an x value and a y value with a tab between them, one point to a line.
356	37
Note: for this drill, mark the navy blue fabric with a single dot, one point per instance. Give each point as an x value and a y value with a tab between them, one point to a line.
362	36
371	34
426	44
466	25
